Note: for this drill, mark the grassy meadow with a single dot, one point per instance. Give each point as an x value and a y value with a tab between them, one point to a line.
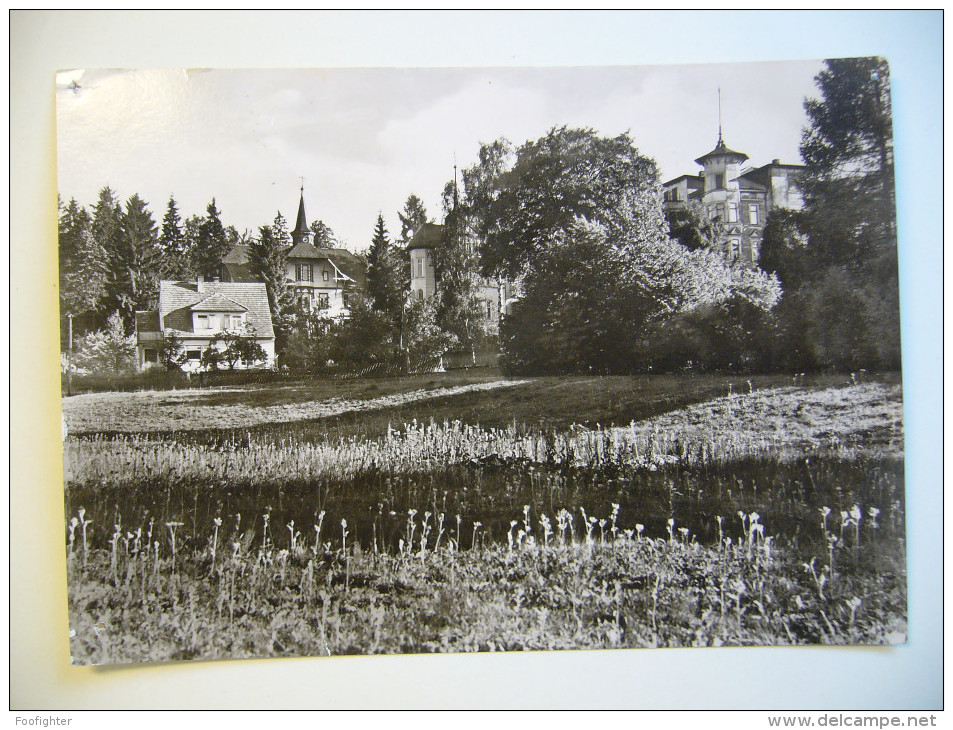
470	512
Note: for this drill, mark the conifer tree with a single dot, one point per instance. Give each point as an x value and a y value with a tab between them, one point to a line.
172	243
134	262
107	220
384	282
212	244
81	259
279	230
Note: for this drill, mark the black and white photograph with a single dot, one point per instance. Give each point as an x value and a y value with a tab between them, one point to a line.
380	361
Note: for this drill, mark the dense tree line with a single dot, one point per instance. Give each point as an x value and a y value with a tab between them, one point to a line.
574	222
112	258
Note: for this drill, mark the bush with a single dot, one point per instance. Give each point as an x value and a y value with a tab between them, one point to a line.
108	351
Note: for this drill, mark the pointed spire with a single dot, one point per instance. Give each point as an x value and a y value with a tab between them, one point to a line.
720	141
456	197
301	231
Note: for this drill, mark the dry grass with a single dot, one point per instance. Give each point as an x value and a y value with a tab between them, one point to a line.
153	411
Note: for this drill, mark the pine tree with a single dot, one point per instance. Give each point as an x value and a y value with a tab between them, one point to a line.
279	229
267	260
172	244
850	221
106	231
848	151
82	261
384	282
134	262
212	245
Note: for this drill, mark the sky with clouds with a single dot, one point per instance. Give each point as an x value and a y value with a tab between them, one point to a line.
364	139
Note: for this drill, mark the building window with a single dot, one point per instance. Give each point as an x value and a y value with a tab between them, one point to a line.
732	212
151	356
235	321
324	274
719	180
304	272
193	354
345	300
305	301
420	268
322	301
753	214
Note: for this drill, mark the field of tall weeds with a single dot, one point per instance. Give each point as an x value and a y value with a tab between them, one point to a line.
770	516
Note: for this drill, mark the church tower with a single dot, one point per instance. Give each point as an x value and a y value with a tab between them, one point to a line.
301	233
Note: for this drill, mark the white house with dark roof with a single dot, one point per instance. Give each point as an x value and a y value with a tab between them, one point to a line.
740	197
197	312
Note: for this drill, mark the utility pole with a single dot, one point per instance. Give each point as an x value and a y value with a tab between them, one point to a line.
69	354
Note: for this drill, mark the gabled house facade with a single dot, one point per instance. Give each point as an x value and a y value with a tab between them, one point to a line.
321	278
738	196
197	312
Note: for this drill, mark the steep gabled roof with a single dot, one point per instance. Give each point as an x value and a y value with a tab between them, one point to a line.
177	300
218	303
348	264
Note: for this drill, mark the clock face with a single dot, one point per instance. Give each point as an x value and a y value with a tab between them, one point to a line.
305	237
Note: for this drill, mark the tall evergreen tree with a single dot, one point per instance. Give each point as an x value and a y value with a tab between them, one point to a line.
384	282
848	151
212	244
191	230
106	230
279	230
850	221
172	243
82	261
134	262
267	260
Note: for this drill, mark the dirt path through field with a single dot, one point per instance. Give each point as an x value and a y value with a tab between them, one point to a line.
161	411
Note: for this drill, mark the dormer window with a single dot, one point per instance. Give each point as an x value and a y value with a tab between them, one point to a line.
216	321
